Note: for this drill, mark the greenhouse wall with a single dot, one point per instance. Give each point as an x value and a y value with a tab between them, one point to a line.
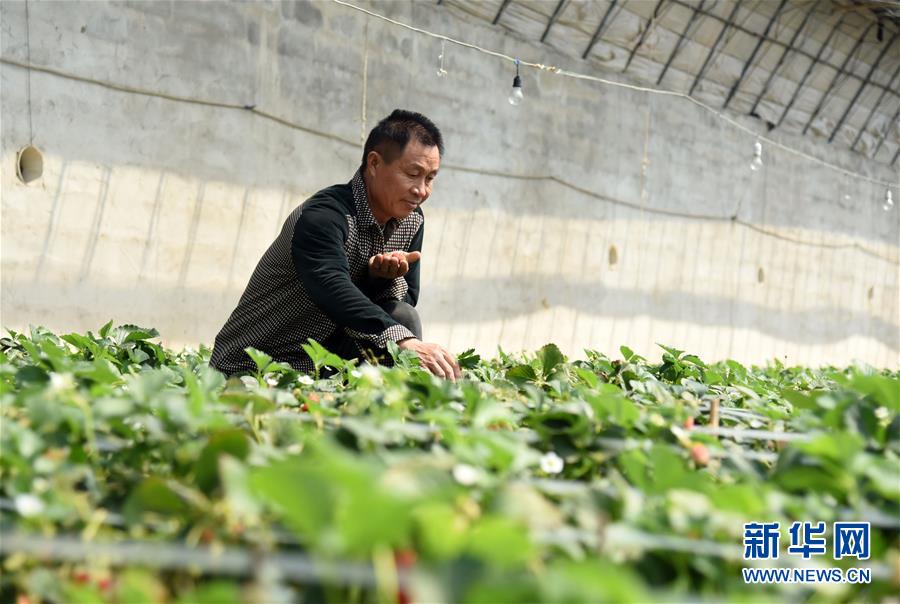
177	136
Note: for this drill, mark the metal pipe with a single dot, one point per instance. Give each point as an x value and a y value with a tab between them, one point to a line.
834	80
809	69
556	13
862	86
749	62
781	60
600	28
715	47
697	12
644	34
875	108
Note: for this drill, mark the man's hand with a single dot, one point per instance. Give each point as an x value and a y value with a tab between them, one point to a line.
392	264
433	358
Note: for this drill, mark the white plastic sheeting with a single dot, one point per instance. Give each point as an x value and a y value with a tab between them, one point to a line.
578	20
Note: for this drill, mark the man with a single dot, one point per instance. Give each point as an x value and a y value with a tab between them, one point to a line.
344	270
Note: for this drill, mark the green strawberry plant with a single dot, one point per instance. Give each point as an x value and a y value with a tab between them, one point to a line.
533	478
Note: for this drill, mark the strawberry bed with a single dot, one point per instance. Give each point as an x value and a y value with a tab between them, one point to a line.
132	473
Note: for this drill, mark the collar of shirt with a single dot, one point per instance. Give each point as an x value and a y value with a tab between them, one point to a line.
364	216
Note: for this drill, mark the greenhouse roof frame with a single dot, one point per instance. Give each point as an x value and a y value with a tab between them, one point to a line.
750	55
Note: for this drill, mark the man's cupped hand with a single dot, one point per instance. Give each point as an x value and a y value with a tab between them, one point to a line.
391	265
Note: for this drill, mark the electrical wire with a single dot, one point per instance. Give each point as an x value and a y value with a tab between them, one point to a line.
580	76
547	177
28	73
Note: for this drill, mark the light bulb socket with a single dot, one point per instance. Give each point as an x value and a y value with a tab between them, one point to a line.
517	82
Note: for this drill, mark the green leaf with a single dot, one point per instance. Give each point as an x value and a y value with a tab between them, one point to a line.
500	542
592	581
138	334
261	359
31	375
614	407
100	371
105	329
587	376
441	530
236	483
214	592
468	359
521	374
135	585
305	496
672	351
550	357
320	355
83	594
230	441
628	354
883	390
837	447
154	495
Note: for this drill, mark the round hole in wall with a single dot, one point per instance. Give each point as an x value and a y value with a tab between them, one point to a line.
613	255
29	164
760	275
871	293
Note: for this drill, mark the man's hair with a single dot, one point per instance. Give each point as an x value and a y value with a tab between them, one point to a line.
390	136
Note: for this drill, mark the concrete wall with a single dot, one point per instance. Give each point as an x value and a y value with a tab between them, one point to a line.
154	208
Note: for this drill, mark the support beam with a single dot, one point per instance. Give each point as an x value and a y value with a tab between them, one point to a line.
756	48
810	68
601	28
556	13
875	108
784	55
887	131
644	33
896	155
774	41
500	12
834	80
681	38
715	47
862	86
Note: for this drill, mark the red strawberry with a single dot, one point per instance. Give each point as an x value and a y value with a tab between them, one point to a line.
405	559
700	454
689	423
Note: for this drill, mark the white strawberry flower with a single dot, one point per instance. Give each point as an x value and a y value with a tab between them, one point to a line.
28	505
465	474
551	463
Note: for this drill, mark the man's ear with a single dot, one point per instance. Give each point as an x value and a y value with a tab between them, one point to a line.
373	161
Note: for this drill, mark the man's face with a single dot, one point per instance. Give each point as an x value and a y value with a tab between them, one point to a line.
398	188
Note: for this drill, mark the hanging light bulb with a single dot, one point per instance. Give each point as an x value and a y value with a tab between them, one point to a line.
441	72
757	162
516	95
888	202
